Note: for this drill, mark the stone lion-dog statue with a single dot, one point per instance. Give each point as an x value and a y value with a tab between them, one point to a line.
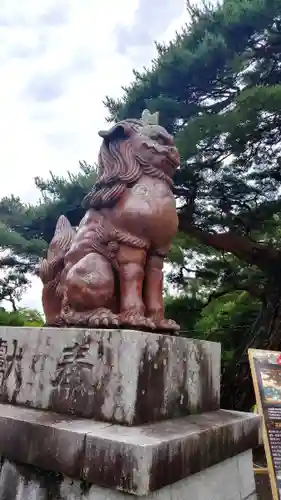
109	271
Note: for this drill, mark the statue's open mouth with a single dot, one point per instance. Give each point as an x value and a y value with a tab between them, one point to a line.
174	159
171	163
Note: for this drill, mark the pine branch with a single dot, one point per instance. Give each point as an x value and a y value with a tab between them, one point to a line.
253	289
242	247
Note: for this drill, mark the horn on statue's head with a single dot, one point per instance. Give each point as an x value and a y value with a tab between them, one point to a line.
150	118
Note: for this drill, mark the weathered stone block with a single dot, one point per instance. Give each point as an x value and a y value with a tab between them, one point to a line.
45	439
135	460
146	458
127	377
220	482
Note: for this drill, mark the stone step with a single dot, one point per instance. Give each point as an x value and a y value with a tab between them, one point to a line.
135	460
231	479
122	376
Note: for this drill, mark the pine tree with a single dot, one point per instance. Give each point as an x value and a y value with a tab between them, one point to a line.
26	230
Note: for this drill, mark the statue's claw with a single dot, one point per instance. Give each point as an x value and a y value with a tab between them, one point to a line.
103	318
167	325
136	320
162	324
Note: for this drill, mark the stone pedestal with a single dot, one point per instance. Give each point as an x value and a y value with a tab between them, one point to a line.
125	377
106	414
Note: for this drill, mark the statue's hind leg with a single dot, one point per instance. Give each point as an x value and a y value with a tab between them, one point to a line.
89	293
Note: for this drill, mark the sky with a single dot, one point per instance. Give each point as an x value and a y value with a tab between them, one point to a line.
58	60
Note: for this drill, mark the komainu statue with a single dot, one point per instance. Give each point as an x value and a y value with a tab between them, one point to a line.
109	271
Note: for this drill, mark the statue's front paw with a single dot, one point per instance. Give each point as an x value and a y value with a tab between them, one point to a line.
167	325
103	318
136	320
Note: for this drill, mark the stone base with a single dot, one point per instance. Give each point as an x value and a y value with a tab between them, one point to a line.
232	479
135	460
121	413
121	376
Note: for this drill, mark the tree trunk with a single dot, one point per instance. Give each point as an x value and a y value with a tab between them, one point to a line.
237	388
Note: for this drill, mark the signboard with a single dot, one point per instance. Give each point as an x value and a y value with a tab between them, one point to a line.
266	373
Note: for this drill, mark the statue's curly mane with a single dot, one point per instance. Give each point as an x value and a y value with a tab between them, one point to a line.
119	168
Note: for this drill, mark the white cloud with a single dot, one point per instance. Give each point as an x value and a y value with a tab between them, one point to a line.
58	60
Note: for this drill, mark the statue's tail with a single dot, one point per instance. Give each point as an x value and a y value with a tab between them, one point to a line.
52	266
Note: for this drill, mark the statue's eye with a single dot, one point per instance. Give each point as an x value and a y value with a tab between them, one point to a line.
161	141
